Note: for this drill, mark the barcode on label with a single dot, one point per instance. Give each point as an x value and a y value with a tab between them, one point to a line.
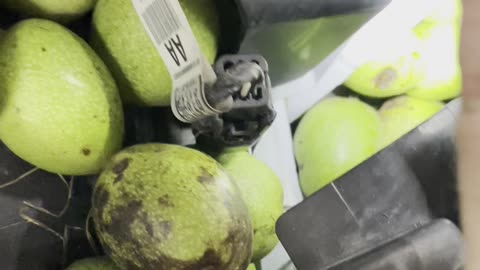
190	100
161	21
167	27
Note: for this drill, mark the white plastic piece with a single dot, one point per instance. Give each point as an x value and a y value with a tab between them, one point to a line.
276	149
278	259
324	78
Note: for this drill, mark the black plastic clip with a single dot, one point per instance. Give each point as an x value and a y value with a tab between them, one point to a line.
249	114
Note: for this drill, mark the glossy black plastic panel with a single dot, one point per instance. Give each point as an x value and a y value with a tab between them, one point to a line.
294	36
436	246
396	191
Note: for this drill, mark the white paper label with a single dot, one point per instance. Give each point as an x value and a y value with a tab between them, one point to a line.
168	29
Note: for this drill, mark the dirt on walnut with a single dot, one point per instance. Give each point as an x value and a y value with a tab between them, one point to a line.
151	198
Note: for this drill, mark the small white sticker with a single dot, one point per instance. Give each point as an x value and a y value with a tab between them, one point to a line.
168	29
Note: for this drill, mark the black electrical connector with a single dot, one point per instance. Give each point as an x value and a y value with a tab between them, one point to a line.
243	92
